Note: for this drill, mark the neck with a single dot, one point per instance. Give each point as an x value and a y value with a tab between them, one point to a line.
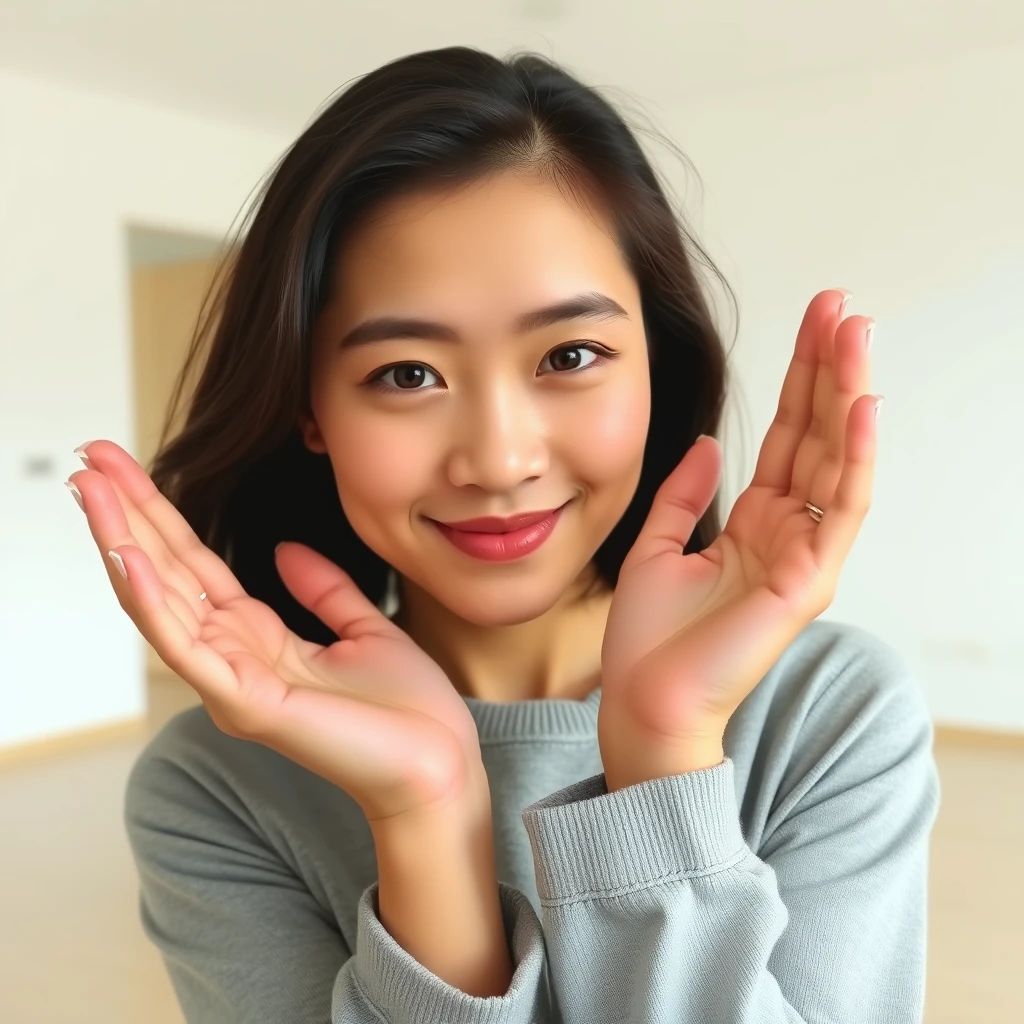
557	655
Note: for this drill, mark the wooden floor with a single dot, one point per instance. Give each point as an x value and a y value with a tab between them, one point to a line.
72	950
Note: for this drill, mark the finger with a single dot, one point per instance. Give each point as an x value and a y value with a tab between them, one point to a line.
850	378
839	526
778	455
197	663
328	592
682	498
107	524
105	512
106	503
210	571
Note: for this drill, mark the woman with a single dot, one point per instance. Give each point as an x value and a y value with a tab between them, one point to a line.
588	758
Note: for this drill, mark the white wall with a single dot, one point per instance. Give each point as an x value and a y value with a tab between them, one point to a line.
74	169
904	187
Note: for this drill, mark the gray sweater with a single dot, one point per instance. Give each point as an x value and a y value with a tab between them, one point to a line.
786	884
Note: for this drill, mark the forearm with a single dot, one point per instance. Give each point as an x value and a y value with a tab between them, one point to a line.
438	892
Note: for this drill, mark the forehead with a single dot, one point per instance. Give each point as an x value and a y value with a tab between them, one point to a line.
511	238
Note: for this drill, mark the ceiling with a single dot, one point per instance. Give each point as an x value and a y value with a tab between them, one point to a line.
270	65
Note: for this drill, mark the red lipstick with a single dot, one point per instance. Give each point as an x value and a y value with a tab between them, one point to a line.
501	524
501	538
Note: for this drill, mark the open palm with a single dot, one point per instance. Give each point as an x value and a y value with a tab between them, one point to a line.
372	712
689	636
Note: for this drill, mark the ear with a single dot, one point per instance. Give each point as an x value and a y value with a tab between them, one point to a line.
311	436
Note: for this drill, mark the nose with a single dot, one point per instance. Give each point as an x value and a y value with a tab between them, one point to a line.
501	441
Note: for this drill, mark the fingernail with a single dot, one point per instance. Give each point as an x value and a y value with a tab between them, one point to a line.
119	562
869	335
80	452
76	492
879	399
846	301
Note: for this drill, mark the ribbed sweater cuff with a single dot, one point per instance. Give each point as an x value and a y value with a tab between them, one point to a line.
588	842
405	992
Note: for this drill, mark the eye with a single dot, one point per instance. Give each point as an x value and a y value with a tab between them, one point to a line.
410	377
406	377
569	357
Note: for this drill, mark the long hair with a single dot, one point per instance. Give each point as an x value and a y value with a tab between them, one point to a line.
238	471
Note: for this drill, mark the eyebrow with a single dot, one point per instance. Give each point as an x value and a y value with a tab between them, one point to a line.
587	305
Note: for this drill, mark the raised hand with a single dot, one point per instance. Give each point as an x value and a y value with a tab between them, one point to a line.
371	713
689	636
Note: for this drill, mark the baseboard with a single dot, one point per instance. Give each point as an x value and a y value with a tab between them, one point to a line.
80	739
960	736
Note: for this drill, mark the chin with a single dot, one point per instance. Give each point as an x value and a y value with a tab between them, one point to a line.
506	604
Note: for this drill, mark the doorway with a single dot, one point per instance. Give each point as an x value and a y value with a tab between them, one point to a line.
170	275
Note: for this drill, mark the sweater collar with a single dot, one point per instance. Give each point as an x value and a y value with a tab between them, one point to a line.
546	717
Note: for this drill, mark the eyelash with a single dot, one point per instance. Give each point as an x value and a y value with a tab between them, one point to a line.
603	355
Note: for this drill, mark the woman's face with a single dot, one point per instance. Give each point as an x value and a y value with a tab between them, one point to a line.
474	411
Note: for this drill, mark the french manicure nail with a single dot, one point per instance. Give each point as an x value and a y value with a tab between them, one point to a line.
119	562
846	301
80	452
869	335
879	399
76	492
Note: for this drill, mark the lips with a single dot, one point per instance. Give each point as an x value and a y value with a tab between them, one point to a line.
497	524
491	541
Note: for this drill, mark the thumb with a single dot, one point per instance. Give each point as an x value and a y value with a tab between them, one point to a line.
328	592
682	498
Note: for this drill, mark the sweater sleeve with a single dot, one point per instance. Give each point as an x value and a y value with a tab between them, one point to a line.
244	940
656	911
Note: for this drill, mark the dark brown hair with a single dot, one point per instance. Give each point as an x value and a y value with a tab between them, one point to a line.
238	470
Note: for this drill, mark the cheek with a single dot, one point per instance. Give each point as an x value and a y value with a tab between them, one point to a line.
382	465
605	439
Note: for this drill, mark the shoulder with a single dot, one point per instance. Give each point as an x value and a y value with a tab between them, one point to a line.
189	777
193	775
836	740
187	747
190	745
846	675
198	781
201	806
841	708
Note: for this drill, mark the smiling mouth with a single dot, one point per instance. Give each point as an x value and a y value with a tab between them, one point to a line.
489	544
501	524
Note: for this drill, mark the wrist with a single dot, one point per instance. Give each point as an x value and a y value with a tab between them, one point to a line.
631	755
436	790
659	764
438	890
451	822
